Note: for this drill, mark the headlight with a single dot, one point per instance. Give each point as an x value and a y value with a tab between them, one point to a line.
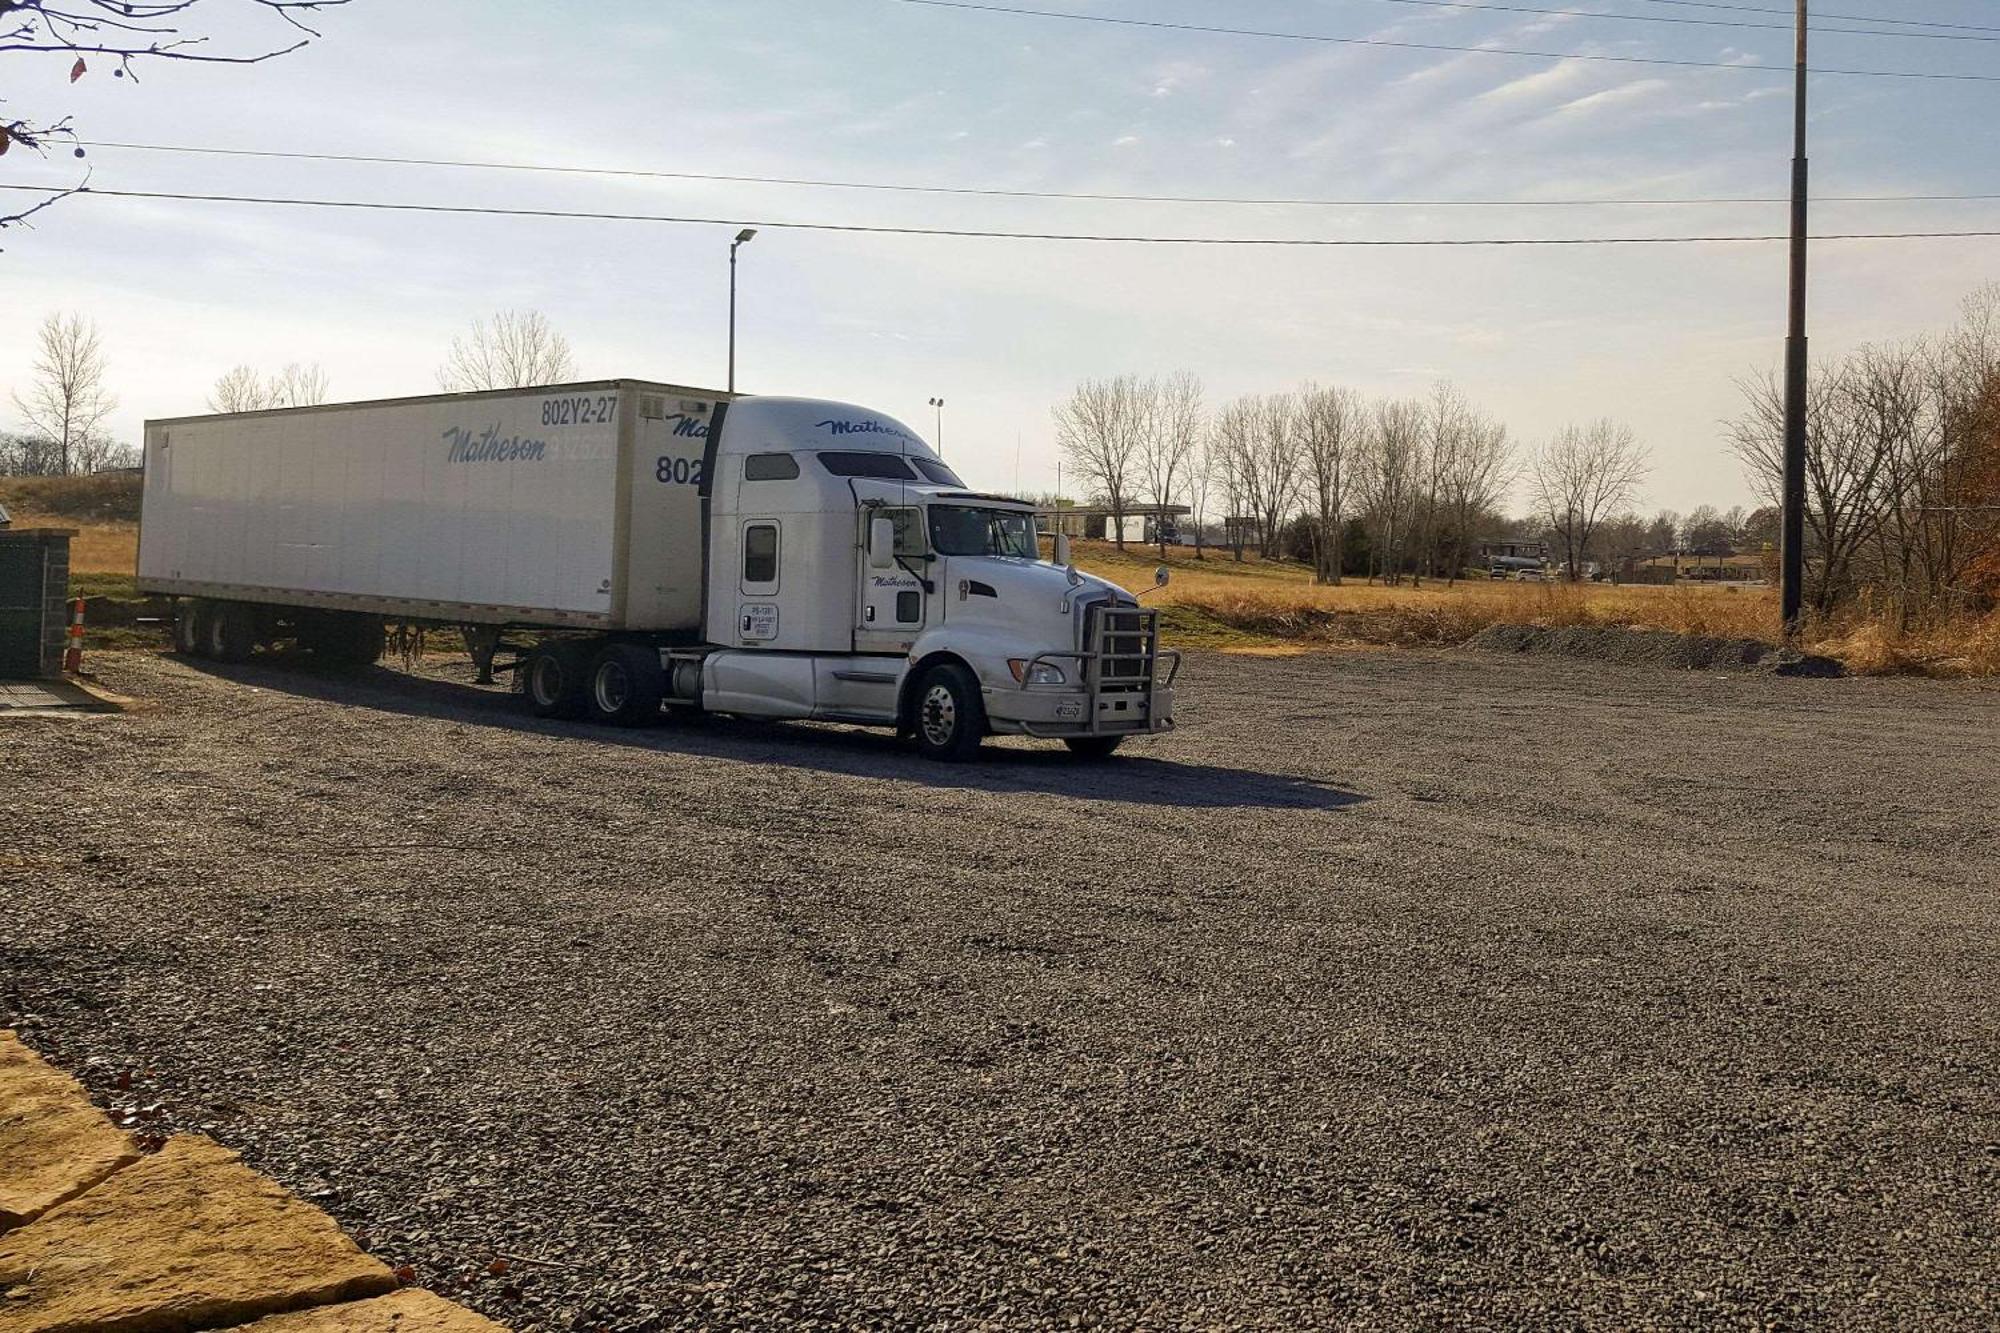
1030	672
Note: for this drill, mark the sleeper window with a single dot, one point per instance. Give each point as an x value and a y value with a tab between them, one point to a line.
770	467
760	557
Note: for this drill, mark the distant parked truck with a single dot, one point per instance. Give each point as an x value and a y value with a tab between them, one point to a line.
1515	567
639	545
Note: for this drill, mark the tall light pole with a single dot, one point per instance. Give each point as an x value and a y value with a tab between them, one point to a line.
743	238
938	403
1792	597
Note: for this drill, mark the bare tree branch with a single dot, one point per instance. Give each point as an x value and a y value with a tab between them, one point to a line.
127	33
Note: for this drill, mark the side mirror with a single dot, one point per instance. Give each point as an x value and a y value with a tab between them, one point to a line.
1161	575
881	543
1061	555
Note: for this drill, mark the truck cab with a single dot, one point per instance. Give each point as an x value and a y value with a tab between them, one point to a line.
852	576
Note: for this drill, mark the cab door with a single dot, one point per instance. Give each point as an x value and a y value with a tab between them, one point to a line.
893	604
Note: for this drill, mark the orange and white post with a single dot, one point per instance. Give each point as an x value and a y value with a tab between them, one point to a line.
73	653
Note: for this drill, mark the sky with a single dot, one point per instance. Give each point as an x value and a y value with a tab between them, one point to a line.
892	92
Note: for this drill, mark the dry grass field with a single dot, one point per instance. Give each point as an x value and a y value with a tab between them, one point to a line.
102	509
1219	602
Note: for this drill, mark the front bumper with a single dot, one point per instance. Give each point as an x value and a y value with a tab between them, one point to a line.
1127	680
1053	712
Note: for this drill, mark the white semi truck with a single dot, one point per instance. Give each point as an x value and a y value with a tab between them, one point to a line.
639	545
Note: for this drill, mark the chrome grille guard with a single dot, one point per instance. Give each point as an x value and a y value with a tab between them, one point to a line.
1121	664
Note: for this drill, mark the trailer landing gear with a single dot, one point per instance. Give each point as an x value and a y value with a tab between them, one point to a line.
482	641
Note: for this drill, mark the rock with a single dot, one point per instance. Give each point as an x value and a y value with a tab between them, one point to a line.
190	1238
411	1311
53	1143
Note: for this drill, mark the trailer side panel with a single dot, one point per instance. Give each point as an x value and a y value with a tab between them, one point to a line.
488	508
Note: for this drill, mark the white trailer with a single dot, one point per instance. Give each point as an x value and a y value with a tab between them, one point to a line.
643	544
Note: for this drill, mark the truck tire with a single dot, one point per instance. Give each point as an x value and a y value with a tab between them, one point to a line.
347	639
229	632
190	634
556	680
626	685
1094	747
950	717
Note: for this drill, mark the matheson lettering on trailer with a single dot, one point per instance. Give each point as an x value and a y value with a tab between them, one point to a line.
490	446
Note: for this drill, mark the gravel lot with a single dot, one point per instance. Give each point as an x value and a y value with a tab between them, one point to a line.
1396	990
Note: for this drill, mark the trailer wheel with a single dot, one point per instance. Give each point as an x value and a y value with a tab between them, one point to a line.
229	631
557	685
950	719
626	685
1093	747
190	634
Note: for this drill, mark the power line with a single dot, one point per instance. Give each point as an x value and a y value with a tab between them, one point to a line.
1501	8
972	6
996	192
1842	18
993	234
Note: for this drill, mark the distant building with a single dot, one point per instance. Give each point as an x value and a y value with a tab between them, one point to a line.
1142	523
1512	549
1242	530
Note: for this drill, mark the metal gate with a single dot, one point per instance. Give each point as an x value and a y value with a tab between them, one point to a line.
34	574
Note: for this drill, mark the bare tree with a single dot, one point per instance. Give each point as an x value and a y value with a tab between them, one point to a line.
1844	465
1101	430
516	349
1204	476
1447	421
299	385
1232	445
1623	542
28	456
1268	462
1169	450
242	389
1581	478
1330	420
1663	534
123	35
1478	474
1386	480
66	402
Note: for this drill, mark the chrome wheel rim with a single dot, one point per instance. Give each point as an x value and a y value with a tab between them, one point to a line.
614	687
940	715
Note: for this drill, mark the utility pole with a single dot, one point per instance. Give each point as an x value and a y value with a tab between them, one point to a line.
1792	599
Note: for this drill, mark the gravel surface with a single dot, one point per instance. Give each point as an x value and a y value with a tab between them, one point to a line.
1396	990
1648	647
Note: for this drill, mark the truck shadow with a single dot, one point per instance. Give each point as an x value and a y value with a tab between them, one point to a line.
822	747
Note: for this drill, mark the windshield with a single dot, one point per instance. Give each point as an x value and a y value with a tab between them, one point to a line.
966	530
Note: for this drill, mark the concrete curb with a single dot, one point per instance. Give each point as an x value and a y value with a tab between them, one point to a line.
95	1236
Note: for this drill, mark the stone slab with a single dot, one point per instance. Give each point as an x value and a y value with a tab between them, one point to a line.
53	1143
189	1238
411	1311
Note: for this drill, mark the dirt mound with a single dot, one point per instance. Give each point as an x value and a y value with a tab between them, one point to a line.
1649	647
